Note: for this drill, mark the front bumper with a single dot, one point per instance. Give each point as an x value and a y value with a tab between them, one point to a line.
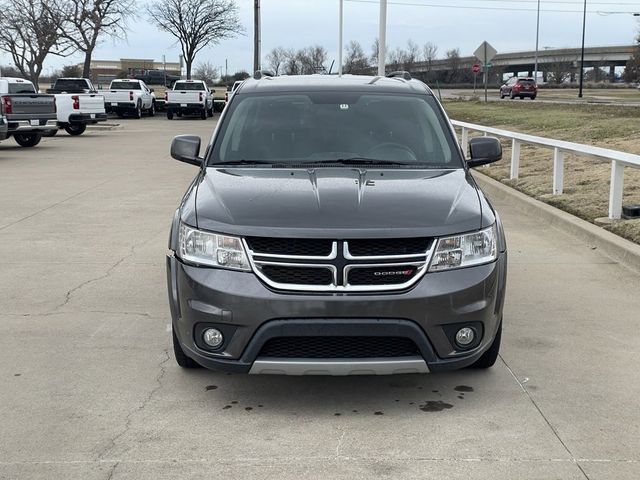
249	314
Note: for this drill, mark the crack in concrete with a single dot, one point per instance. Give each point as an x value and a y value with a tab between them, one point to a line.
128	419
339	445
109	271
547	421
112	470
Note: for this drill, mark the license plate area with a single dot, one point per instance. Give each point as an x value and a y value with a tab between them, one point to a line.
34	123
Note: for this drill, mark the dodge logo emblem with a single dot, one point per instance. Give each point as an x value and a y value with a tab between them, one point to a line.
405	273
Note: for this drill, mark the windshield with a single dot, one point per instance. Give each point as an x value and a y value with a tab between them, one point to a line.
325	127
188	86
125	86
21	87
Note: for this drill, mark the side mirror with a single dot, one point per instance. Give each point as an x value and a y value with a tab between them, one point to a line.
484	150
186	148
151	90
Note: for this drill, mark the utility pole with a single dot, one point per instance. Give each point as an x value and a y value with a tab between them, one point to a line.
382	39
584	29
256	35
535	68
340	28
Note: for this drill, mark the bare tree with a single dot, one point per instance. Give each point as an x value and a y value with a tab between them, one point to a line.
453	64
292	64
196	24
355	61
412	56
313	59
90	21
560	69
206	72
71	71
430	53
375	51
30	30
276	60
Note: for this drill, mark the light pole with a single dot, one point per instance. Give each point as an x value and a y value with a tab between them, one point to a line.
382	39
340	27
535	68
256	35
584	29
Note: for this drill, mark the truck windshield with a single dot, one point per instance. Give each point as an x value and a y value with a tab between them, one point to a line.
188	86
25	87
334	127
125	86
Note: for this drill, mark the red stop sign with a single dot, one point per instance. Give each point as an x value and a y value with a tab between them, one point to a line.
475	68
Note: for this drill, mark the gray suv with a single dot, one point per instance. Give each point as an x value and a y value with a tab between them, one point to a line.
334	229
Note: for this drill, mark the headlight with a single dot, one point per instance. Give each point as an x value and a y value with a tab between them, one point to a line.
465	250
204	248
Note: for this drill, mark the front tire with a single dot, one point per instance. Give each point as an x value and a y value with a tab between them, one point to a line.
75	129
152	110
181	357
27	139
203	114
488	358
169	115
512	96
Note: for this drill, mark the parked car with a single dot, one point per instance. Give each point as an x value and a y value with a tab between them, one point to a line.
155	77
78	104
519	87
127	96
189	97
29	114
334	227
230	92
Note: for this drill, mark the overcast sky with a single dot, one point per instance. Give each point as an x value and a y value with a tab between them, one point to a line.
298	23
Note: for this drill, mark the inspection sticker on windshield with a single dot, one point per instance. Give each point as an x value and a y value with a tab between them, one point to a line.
344	106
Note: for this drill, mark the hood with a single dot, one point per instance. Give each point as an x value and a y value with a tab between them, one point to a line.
337	202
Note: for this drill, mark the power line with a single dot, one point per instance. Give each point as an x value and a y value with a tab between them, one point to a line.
467	7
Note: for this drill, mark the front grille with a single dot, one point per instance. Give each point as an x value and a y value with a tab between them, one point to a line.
388	247
393	275
290	246
298	275
319	265
339	347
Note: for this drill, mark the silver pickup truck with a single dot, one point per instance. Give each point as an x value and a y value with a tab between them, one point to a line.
29	114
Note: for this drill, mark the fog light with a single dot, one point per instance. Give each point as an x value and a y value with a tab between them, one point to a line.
212	337
465	336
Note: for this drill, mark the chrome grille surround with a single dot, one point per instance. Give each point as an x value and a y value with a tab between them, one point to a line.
340	262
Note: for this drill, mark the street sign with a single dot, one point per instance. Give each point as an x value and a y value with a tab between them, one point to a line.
485	52
475	68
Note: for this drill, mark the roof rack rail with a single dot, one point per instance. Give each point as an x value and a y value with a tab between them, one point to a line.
400	74
262	73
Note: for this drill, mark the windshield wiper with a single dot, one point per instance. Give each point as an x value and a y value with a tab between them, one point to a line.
362	161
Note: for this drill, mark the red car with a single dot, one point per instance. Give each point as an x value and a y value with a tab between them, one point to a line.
519	87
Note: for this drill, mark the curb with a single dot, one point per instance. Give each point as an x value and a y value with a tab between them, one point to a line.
619	249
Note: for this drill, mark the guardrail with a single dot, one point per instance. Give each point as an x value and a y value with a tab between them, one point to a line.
618	159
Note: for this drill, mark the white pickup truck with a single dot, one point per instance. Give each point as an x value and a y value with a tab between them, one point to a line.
189	97
129	96
78	104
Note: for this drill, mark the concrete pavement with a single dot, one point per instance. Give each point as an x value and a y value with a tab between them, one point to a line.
89	388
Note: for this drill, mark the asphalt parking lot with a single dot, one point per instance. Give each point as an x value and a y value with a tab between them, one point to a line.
89	388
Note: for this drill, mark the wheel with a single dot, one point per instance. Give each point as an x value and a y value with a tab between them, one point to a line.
533	97
488	358
511	95
27	139
169	115
181	358
51	133
179	114
501	96
521	97
75	129
203	114
152	110
120	114
210	111
138	112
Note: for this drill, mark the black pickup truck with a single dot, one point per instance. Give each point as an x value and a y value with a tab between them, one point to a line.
29	114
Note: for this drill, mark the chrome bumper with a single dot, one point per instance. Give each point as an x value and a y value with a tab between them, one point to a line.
25	126
372	366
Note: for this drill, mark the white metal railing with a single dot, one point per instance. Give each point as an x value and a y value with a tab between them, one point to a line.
618	159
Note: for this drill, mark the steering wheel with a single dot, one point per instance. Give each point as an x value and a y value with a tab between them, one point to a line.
392	151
